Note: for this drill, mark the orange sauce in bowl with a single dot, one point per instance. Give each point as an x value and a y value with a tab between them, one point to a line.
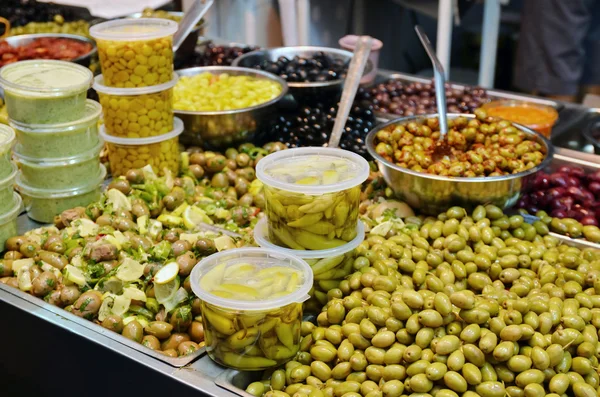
539	118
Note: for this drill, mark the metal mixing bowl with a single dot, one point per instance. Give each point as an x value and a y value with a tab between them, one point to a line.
220	129
433	194
24	39
302	92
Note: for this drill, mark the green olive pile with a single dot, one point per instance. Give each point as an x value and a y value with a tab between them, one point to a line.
100	262
569	227
478	305
477	147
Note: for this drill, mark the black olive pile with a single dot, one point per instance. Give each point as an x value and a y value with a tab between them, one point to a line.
402	99
220	55
318	68
312	126
21	12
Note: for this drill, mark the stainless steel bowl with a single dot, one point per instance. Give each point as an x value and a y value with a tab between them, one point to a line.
220	129
433	194
188	46
24	39
302	91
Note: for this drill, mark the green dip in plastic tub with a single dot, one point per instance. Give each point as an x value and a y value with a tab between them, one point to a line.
43	205
61	173
7	138
45	91
60	140
6	189
8	220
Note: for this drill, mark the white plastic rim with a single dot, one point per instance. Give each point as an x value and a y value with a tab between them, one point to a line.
57	194
153	89
284	155
117	140
7	137
261	236
59	161
14	212
41	65
134	29
91	115
238	255
9	180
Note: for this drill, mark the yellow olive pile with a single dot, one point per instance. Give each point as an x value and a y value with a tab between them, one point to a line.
454	306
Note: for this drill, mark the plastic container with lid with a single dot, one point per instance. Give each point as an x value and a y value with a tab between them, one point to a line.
7	139
43	205
312	196
60	140
137	112
6	188
160	151
8	219
60	173
252	306
45	91
329	266
135	52
540	118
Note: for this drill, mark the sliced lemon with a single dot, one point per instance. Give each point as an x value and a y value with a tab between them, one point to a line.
19	263
179	210
165	292
86	227
142	223
167	273
118	200
224	242
121	305
75	275
134	294
194	216
170	220
130	270
24	279
154	228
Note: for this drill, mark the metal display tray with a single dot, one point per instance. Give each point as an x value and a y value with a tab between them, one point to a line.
492	93
174	361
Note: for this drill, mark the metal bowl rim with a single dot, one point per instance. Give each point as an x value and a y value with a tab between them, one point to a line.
225	69
371	138
314	84
33	36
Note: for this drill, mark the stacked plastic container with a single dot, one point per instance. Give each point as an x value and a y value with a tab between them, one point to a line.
56	127
312	197
10	202
136	93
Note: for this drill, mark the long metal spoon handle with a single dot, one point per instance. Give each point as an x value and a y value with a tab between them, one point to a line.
440	80
355	72
190	19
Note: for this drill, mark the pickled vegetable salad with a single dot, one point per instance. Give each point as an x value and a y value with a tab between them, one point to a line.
251	282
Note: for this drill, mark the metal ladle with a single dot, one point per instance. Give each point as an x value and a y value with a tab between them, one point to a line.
189	20
441	149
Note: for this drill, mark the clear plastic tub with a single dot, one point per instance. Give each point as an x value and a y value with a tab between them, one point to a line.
60	140
43	205
6	188
312	196
135	52
60	173
329	266
137	112
45	91
8	219
7	139
247	325
160	151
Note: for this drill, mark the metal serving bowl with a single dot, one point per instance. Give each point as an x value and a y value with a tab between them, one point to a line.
24	39
302	91
433	194
219	129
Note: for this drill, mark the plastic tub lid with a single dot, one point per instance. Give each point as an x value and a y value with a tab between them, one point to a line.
177	130
92	113
103	89
261	235
7	135
134	29
57	194
269	169
14	212
10	179
33	161
46	77
267	258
